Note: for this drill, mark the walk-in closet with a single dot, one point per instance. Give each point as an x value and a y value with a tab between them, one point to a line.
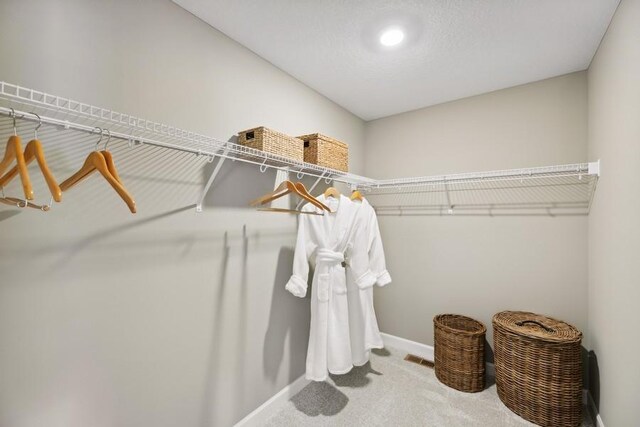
220	213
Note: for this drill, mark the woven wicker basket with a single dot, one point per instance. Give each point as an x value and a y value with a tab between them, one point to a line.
459	352
538	368
274	142
327	152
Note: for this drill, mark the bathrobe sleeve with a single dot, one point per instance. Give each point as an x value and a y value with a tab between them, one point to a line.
305	246
376	252
359	258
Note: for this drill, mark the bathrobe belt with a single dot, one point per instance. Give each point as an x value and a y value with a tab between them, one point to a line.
330	276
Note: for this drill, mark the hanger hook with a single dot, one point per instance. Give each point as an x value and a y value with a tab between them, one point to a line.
263	166
35	131
106	144
13	116
299	175
328	180
131	135
98	143
45	208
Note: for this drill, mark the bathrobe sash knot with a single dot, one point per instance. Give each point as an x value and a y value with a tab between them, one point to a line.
330	266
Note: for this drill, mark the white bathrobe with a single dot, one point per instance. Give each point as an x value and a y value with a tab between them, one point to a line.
327	242
363	325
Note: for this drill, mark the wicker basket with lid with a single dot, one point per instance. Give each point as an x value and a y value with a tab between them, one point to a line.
538	368
325	151
274	142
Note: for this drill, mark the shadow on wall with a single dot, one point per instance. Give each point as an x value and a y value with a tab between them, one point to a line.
488	351
67	251
236	184
289	315
8	214
594	379
213	366
242	323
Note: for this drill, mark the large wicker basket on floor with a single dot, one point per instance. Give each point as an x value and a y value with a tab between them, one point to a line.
538	368
459	352
325	151
274	142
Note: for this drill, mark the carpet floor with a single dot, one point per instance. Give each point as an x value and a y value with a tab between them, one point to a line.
389	391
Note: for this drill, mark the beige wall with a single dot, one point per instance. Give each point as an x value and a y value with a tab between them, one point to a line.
168	317
614	224
479	265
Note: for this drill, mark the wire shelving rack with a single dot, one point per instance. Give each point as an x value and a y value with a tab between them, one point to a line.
563	189
552	187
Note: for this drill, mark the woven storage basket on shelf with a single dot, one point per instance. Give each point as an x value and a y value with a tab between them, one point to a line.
538	368
324	151
274	142
459	352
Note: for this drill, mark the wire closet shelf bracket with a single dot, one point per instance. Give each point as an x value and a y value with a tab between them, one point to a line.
563	188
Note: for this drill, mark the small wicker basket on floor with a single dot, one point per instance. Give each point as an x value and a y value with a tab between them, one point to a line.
325	151
274	142
459	352
538	368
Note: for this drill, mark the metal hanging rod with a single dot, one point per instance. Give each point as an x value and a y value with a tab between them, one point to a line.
524	174
83	117
69	114
562	190
24	115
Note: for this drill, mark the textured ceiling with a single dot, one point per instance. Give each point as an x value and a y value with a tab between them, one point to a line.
453	48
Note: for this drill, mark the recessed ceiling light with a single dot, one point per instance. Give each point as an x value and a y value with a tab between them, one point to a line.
392	37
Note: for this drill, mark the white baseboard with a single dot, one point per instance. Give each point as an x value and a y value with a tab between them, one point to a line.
412	347
422	350
260	415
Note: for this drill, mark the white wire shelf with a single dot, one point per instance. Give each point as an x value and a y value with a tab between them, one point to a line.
564	188
70	114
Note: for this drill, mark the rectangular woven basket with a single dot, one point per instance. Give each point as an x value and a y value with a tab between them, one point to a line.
325	151
274	142
459	352
538	368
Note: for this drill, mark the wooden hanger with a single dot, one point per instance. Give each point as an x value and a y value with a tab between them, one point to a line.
332	192
285	188
34	150
14	151
357	195
290	211
307	196
279	191
96	161
109	158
